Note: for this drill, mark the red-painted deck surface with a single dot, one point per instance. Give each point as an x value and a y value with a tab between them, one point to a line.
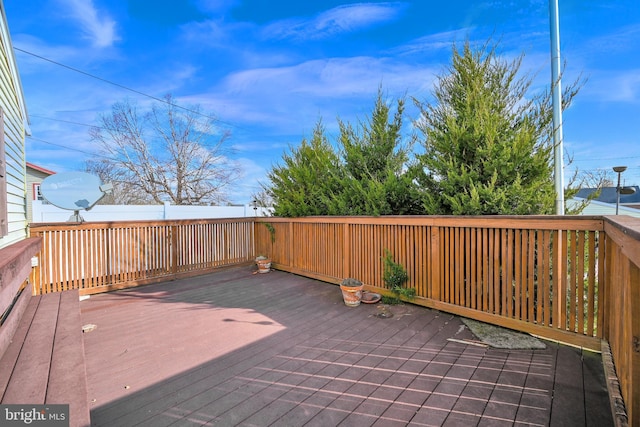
276	349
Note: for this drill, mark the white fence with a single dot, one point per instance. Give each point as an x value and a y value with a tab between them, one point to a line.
44	212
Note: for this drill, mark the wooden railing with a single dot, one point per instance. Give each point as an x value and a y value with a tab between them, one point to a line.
103	256
571	279
541	275
622	306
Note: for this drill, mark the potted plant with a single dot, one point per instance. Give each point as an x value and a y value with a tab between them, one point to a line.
351	291
264	264
395	278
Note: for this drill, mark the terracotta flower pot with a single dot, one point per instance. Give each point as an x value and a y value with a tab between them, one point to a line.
264	264
351	292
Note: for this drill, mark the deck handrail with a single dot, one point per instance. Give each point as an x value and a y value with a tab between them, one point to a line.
622	306
568	278
99	257
538	274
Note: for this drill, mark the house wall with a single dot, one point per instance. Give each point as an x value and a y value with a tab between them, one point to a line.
34	177
15	130
16	251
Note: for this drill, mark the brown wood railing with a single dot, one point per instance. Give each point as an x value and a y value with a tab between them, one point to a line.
622	306
572	279
541	275
103	256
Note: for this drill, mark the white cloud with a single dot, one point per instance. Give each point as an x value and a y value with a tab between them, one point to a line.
98	27
624	39
288	101
29	64
331	78
211	33
216	6
432	43
614	86
249	184
336	21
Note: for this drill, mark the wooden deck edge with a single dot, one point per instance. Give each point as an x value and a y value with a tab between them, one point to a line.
45	363
15	266
308	274
159	279
10	325
68	375
618	408
31	354
14	346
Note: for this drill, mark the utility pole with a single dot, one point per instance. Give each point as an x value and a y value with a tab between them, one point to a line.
557	106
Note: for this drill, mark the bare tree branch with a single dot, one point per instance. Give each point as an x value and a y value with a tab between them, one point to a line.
167	154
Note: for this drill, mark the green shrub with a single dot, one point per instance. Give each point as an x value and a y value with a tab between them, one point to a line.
395	278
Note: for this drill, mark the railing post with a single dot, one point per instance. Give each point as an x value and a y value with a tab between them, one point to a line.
346	252
436	277
173	248
35	278
291	247
560	277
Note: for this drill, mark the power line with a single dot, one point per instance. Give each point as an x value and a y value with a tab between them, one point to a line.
64	121
92	154
68	148
155	98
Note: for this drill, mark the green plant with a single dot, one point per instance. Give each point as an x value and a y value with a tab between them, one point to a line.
272	231
395	278
486	137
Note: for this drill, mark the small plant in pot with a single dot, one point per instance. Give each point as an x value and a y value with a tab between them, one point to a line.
351	291
264	264
395	277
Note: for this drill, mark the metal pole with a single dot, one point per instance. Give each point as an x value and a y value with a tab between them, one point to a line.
557	107
557	135
618	193
619	170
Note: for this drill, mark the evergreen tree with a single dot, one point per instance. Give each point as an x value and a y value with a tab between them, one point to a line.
365	177
487	141
305	183
374	161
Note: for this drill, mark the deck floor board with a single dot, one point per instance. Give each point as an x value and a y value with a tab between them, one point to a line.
276	349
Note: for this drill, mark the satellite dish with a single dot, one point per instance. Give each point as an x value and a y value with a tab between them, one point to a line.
73	191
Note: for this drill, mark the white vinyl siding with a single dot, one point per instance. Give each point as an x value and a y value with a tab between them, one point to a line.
15	120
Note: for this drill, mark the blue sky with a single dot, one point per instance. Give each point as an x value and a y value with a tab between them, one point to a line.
269	70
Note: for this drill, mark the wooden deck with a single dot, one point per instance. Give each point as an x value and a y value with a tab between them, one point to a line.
44	363
276	349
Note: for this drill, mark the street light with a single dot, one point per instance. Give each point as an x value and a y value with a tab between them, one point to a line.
621	190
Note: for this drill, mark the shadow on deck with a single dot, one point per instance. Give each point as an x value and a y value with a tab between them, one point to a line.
234	348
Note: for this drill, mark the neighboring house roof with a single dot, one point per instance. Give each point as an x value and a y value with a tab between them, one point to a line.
609	195
600	208
40	169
